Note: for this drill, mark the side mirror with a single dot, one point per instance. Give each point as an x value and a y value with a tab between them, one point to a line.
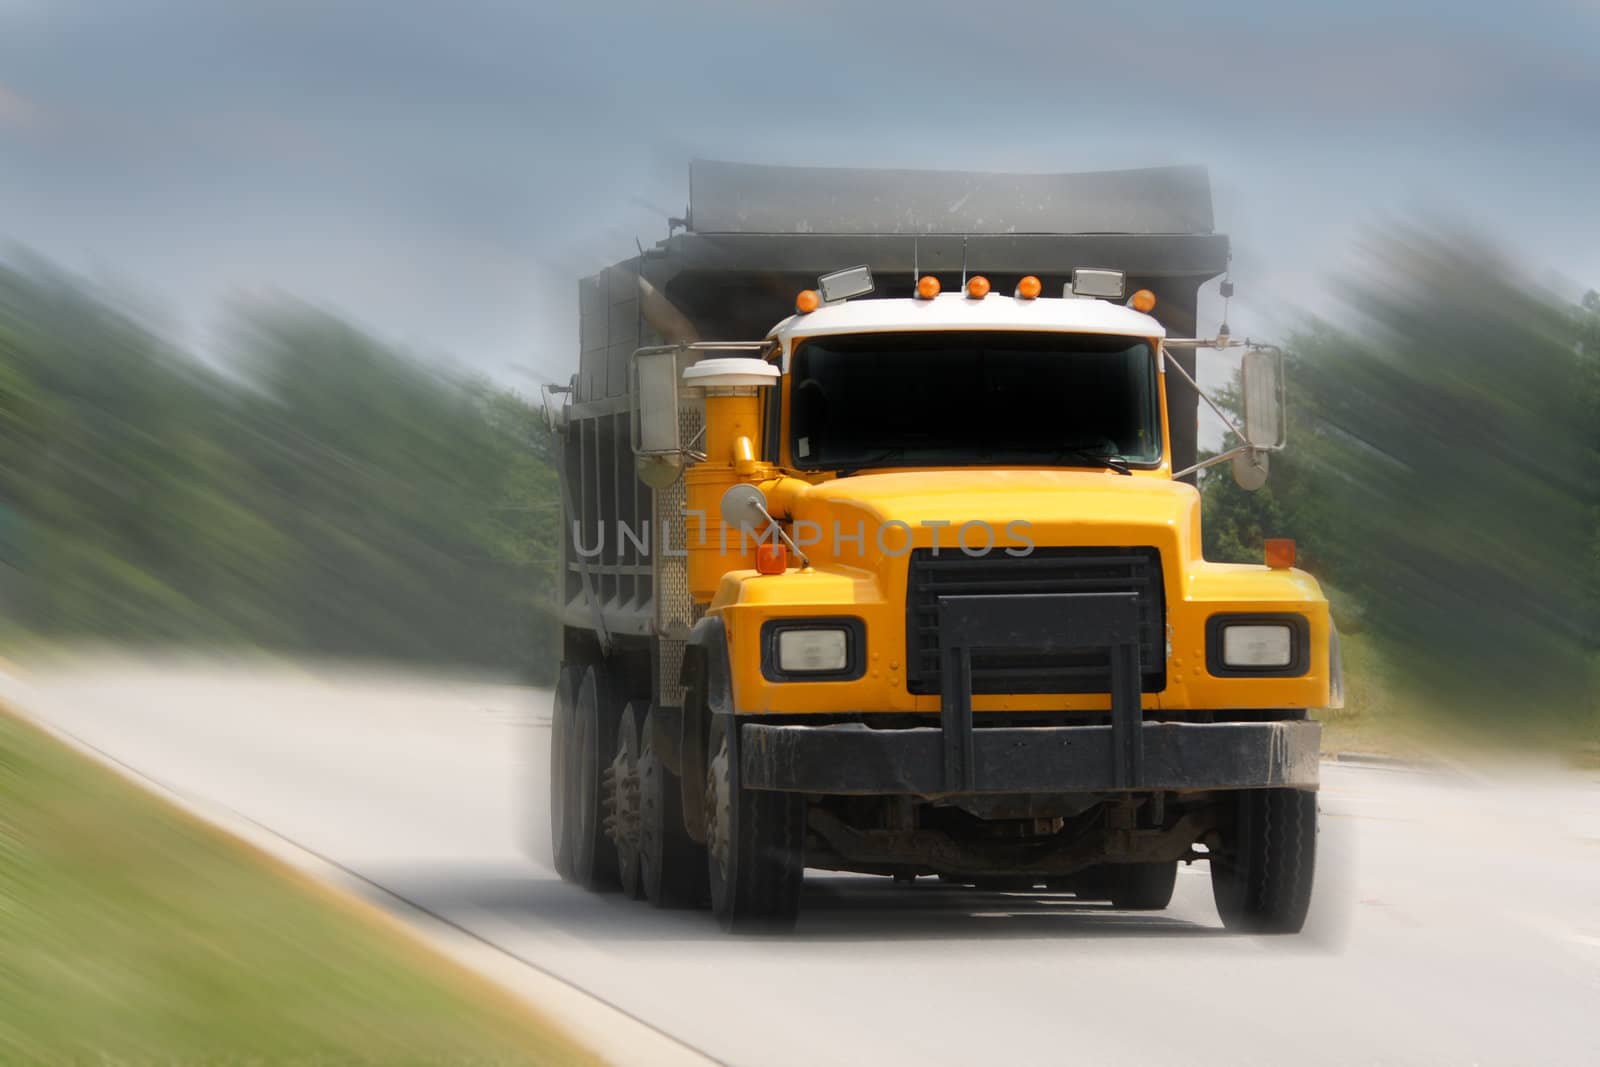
557	399
657	449
744	507
1265	428
1264	398
1250	470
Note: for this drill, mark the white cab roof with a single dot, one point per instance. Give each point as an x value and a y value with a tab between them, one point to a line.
954	311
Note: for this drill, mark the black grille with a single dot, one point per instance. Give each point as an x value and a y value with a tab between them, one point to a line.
1045	570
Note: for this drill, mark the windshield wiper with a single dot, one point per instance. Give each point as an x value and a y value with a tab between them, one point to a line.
1095	459
1085	457
872	461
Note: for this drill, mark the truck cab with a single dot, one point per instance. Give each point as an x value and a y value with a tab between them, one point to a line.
942	611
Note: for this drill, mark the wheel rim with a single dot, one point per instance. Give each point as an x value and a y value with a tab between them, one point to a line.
622	821
650	813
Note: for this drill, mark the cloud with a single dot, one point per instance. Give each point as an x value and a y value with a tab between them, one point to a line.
449	169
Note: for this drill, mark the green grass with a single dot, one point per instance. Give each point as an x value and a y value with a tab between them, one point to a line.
131	933
1382	716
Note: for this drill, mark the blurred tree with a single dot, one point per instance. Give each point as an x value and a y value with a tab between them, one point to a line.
331	495
1443	474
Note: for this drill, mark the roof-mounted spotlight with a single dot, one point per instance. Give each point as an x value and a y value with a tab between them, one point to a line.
843	284
1100	284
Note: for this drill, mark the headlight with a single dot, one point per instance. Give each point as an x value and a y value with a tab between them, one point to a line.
810	651
815	650
1272	646
1257	646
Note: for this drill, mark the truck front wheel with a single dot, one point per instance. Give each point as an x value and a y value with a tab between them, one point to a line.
755	843
1261	872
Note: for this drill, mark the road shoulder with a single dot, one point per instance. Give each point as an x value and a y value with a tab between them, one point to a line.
607	1031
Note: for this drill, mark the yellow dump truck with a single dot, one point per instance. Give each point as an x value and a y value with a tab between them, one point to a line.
882	555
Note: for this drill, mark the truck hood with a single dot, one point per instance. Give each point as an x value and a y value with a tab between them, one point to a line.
1054	507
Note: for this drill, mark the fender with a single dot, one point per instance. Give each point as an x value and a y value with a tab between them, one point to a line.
707	691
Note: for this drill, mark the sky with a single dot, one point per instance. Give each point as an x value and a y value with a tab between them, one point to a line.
443	173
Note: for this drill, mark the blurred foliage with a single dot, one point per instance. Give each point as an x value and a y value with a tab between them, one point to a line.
133	934
1443	477
322	493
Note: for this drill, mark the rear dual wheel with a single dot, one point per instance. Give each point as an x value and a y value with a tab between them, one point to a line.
591	751
672	866
563	712
622	799
617	816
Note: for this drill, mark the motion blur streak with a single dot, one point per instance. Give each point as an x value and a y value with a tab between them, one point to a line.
313	489
320	492
1445	478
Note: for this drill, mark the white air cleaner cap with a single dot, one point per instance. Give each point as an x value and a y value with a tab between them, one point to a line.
730	372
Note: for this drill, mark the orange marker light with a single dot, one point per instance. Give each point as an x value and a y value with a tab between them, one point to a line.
1280	552
771	558
927	287
1144	300
807	302
1029	288
978	287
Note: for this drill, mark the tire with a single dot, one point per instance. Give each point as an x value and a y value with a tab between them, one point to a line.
622	794
755	842
672	867
594	857
1091	883
561	716
1262	872
1142	886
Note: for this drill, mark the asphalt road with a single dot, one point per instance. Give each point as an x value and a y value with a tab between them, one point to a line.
1457	917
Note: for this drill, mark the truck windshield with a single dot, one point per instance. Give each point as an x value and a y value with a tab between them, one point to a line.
971	398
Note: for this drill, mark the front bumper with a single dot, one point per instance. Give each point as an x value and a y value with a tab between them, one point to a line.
854	759
959	757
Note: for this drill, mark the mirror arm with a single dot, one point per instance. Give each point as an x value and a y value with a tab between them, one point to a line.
1221	457
1223	415
801	556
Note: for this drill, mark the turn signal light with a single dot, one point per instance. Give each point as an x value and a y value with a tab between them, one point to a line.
927	287
807	302
1144	300
771	558
978	287
1280	552
1029	288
